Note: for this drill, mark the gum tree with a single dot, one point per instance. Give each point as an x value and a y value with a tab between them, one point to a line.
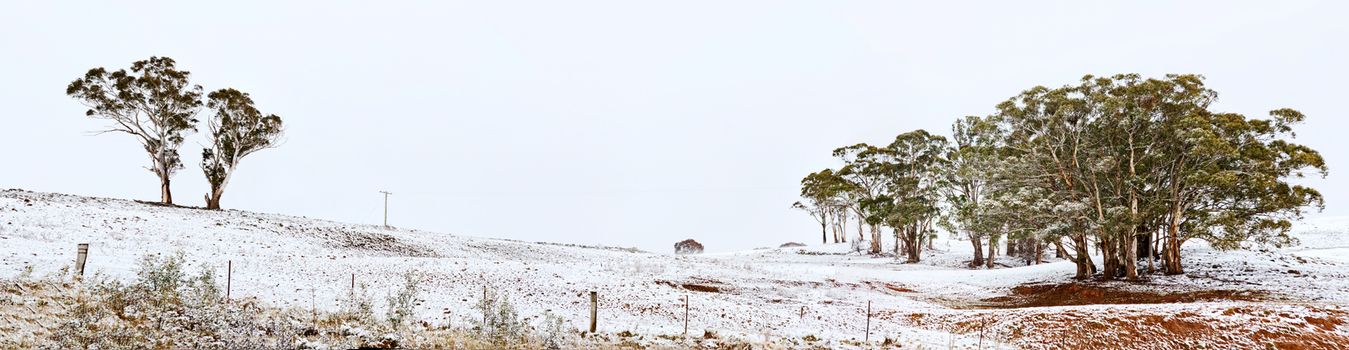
237	129
154	101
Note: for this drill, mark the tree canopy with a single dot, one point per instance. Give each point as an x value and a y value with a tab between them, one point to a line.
153	101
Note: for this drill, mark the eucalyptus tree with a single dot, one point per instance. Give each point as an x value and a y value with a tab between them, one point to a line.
821	191
973	160
1047	130
154	101
237	129
1230	185
864	169
910	167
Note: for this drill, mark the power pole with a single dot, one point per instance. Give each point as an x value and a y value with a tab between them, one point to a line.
386	208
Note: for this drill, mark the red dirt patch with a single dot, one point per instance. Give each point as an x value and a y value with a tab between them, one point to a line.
897	288
1329	323
1252	326
1038	295
696	287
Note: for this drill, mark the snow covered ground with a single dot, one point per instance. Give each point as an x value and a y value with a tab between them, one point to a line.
819	291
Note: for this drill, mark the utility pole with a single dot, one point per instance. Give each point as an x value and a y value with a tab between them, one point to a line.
386	208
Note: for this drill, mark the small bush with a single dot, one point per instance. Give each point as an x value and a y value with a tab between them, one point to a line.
166	307
501	324
358	307
403	304
163	308
551	331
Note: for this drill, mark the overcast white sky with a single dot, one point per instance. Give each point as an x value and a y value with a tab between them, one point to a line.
626	123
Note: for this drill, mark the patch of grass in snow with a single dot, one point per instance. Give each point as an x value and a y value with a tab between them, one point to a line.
169	307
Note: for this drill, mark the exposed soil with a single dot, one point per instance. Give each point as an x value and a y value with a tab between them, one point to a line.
1251	326
898	288
1038	295
705	287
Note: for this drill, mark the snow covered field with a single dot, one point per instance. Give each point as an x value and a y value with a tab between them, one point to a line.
787	293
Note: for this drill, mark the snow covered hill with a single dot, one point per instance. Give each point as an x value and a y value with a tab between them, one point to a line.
816	292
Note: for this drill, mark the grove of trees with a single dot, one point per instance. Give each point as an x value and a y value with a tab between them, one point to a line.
157	103
1124	167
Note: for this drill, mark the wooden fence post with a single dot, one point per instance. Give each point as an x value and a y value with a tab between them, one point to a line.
868	336
81	254
686	315
229	278
594	306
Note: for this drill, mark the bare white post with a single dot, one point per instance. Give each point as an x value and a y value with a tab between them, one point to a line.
386	207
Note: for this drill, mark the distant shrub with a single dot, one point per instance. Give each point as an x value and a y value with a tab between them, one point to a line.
791	245
688	246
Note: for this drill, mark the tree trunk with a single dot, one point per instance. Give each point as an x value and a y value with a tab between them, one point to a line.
1059	251
213	199
1130	254
824	233
1039	252
833	231
978	251
860	236
992	251
1171	252
1109	257
165	194
875	239
898	240
843	226
915	247
1152	251
1085	268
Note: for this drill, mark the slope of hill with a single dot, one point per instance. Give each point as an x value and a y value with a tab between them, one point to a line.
816	296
